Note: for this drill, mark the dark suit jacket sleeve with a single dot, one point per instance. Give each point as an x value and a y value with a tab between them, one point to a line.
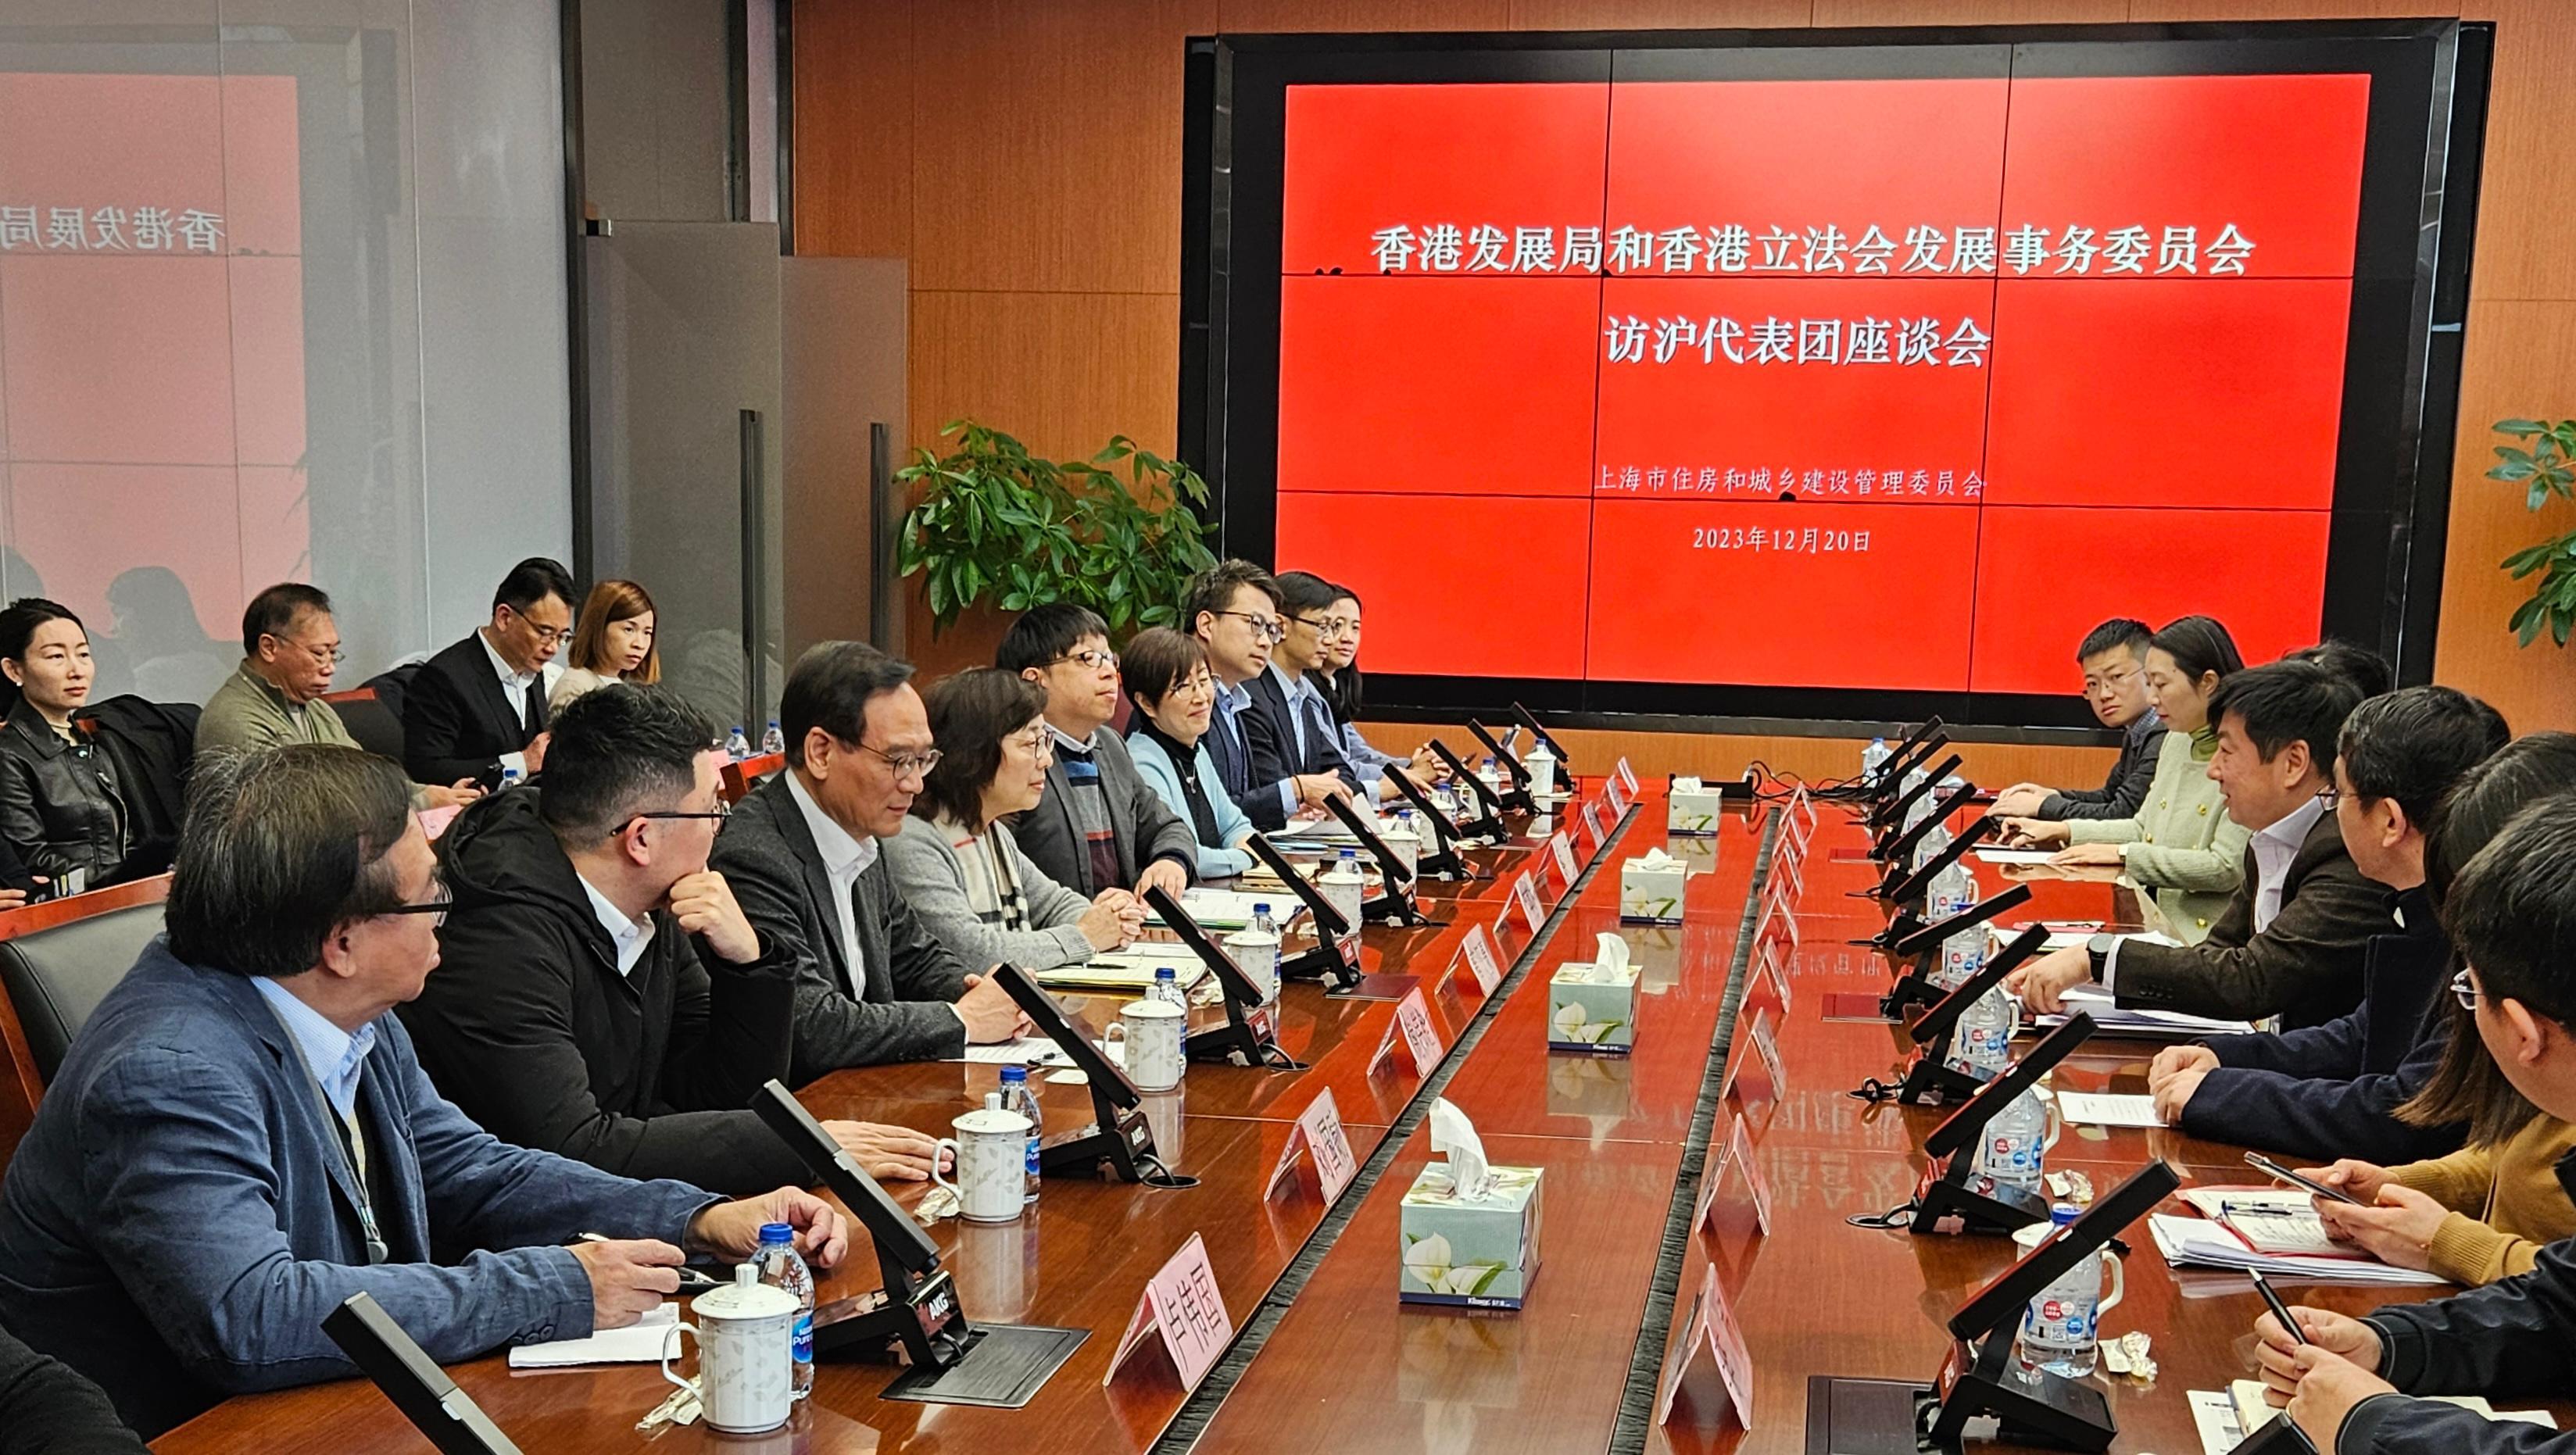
2319	1117
733	1027
1269	767
2131	777
2318	937
435	715
2334	1049
496	1029
2507	1340
48	1409
833	1030
2386	1424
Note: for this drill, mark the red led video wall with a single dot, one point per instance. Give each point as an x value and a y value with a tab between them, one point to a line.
1719	381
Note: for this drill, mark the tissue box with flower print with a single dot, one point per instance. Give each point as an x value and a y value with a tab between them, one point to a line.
1593	1007
1650	889
1692	809
1469	1252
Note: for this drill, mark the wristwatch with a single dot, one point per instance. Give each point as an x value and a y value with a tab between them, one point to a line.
2098	950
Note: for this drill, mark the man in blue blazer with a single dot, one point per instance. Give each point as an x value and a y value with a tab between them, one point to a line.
240	1137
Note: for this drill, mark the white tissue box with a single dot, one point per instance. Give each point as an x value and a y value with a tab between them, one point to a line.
1460	1254
1693	811
1651	895
1595	1016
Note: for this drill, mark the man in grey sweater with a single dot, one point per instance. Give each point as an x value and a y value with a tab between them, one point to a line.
2114	658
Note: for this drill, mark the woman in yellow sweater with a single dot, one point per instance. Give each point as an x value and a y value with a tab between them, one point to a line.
2483	1212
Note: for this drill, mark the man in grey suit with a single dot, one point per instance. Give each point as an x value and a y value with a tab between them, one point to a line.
1100	825
241	1138
801	854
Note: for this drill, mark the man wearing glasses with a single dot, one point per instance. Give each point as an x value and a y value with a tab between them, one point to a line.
479	707
872	984
2290	942
290	647
240	1137
1099	825
603	995
1233	609
2113	657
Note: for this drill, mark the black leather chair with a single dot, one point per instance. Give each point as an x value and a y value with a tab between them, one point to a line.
377	727
56	977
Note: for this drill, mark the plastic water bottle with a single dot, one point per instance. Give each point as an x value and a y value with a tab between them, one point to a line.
2061	1330
773	741
1018	1096
781	1267
1344	885
2015	1151
1922	807
1405	839
1929	847
1167	987
737	747
1951	891
1872	759
509	779
1982	1041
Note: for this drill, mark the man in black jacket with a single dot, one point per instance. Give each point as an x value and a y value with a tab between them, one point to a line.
479	707
601	994
1302	742
2113	657
2290	942
2512	913
47	1408
2330	1091
872	985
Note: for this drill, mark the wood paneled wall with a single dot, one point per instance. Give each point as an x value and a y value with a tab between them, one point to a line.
1025	155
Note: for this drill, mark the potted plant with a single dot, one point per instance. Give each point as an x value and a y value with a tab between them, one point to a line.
996	524
2544	461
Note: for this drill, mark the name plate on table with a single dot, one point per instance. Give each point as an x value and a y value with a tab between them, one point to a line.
1767	1048
1413	1023
1792	877
1482	962
1618	797
1182	1304
1563	851
1592	821
1317	1134
1627	778
1525	895
1802	816
1778	922
1770	985
1710	1331
1737	1154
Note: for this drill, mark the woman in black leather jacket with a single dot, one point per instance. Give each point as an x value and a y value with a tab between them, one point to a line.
60	805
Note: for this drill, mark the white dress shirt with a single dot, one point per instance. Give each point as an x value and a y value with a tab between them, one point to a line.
631	935
845	857
514	687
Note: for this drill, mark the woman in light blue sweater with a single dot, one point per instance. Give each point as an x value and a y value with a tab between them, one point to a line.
1166	677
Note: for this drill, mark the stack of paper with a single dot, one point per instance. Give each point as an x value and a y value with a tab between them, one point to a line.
2200	1243
2110	1019
2013	856
2224	1416
1125	972
1224	909
638	1343
2105	1110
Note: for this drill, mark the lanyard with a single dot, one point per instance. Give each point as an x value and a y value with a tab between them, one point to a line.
347	1143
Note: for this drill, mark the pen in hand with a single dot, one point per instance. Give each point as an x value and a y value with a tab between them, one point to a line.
691	1279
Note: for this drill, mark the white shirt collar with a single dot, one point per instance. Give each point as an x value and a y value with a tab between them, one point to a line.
2292	830
845	855
1079	745
335	1056
631	935
512	678
1302	687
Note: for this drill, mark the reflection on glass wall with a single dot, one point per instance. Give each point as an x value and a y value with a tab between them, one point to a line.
281	298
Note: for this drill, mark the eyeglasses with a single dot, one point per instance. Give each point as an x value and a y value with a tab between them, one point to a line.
2331	797
720	812
546	635
1098	659
1034	742
2466	991
441	898
1268	628
332	655
910	765
1334	626
2110	681
1202	684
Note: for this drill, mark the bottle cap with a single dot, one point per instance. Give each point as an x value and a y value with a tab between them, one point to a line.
776	1233
2060	1214
1014	1073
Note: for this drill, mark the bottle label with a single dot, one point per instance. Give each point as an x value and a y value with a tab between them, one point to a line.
1033	1156
803	1341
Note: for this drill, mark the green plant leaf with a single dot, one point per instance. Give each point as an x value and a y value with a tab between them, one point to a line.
2519	426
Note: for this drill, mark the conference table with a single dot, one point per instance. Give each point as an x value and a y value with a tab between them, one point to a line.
1324	1357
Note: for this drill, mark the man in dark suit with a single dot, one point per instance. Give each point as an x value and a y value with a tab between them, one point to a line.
1303	741
2415	797
1099	825
603	995
240	1138
479	707
2290	943
1233	609
801	853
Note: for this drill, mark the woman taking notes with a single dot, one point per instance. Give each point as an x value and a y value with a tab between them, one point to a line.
1165	675
956	862
612	641
2181	844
